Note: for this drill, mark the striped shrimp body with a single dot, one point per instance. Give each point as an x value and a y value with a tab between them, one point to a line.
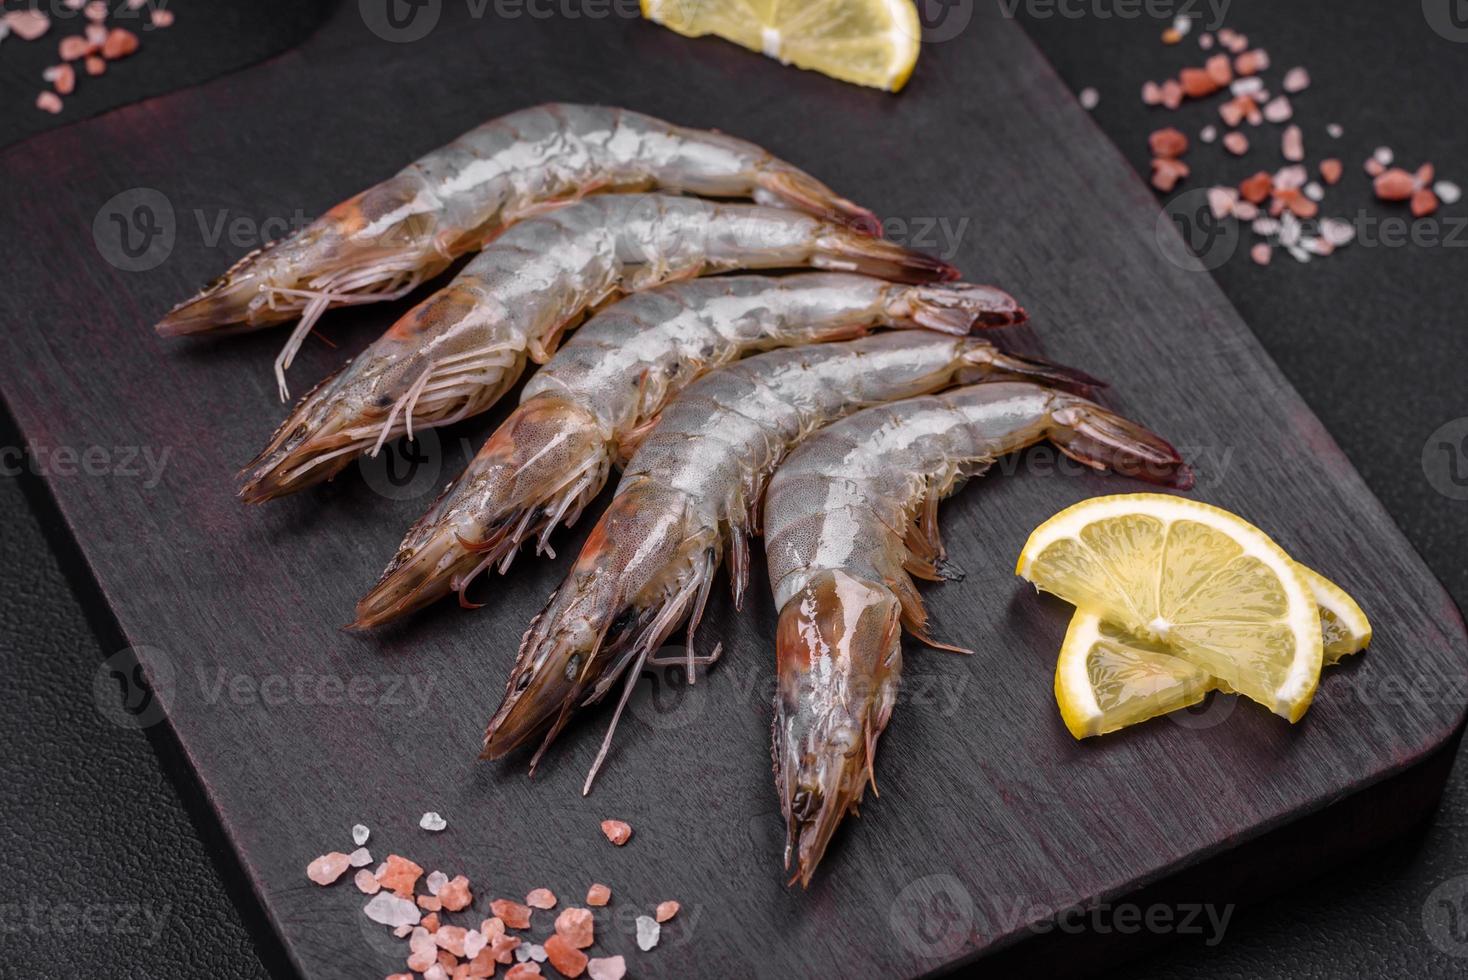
690	493
386	240
458	351
850	518
587	408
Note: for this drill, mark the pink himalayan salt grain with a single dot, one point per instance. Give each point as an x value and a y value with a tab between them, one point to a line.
541	898
64	79
455	895
1292	144
451	938
1296	80
666	910
512	914
1278	109
576	927
366	883
617	831
1236	143
607	968
522	971
566	958
74	46
28	24
1261	253
598	895
328	867
95	64
161	17
399	875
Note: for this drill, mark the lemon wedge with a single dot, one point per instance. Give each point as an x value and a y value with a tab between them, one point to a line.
1107	679
869	42
1200	581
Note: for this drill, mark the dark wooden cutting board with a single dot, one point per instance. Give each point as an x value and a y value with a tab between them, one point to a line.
991	817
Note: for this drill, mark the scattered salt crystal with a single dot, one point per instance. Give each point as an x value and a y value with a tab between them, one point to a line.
1447	191
1278	109
1208	133
432	821
456	895
1292	144
161	17
1314	191
1151	93
522	953
1090	98
617	831
360	834
435	881
1289	229
1264	227
1236	143
1205	41
666	910
1246	211
390	910
1375	167
575	925
1317	246
599	894
327	868
1383	155
1261	253
1249	85
607	968
1335	131
49	74
28	24
96	10
536	952
1291	177
366	883
49	102
541	898
402	930
435	972
360	858
1221	201
1296	80
1337	231
1182	24
648	932
1298	253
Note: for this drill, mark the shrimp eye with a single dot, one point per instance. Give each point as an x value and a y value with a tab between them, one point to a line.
522	682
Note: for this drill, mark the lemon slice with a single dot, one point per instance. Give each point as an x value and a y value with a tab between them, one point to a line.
1344	629
1107	679
869	42
1199	580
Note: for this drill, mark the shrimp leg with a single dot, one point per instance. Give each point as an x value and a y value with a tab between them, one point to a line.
587	408
691	493
457	352
850	519
386	240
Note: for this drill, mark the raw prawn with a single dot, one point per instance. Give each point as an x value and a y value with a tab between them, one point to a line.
587	408
690	493
851	516
383	242
458	351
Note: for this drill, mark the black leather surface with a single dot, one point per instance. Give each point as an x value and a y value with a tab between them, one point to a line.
105	843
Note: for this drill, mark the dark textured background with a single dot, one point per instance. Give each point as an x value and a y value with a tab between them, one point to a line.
1372	338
